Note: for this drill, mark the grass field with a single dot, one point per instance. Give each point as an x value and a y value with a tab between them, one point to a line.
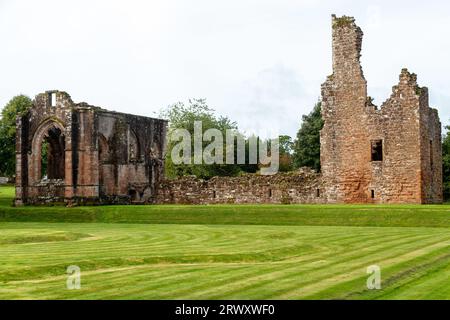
224	252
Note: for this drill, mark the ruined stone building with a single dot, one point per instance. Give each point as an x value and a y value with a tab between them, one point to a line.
77	153
390	154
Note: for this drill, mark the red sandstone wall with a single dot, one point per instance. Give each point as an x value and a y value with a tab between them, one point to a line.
127	170
303	186
131	163
404	123
344	151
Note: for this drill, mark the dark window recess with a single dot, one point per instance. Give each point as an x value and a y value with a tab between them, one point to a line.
270	193
318	193
431	155
214	194
133	194
372	194
52	155
44	159
377	150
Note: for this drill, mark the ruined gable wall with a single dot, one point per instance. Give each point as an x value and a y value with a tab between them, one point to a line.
41	116
79	163
31	130
412	169
397	178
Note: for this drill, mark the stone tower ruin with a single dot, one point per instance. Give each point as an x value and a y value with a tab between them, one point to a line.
390	154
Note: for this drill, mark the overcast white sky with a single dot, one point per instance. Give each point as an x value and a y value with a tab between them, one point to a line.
260	62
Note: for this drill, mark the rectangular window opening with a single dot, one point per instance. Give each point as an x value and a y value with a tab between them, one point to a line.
53	99
270	193
318	193
372	194
377	150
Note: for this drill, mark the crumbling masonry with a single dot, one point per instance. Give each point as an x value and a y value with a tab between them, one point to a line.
390	154
94	156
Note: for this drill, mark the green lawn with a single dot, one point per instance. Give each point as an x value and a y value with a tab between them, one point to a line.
224	252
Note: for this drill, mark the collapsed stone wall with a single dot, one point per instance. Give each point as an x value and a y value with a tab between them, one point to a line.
302	186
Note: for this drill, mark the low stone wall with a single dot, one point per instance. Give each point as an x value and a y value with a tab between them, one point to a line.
302	186
4	180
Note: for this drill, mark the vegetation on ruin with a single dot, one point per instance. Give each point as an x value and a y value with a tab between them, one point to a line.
419	91
342	21
224	252
286	150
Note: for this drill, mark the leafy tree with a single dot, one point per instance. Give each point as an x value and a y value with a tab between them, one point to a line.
18	105
183	116
307	145
446	163
286	148
286	144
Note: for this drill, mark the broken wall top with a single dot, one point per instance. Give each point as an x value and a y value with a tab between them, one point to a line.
54	99
348	72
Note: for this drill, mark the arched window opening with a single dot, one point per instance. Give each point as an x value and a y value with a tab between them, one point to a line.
133	147
103	149
155	152
52	155
44	160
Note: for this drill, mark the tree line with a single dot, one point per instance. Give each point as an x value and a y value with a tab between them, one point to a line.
304	151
